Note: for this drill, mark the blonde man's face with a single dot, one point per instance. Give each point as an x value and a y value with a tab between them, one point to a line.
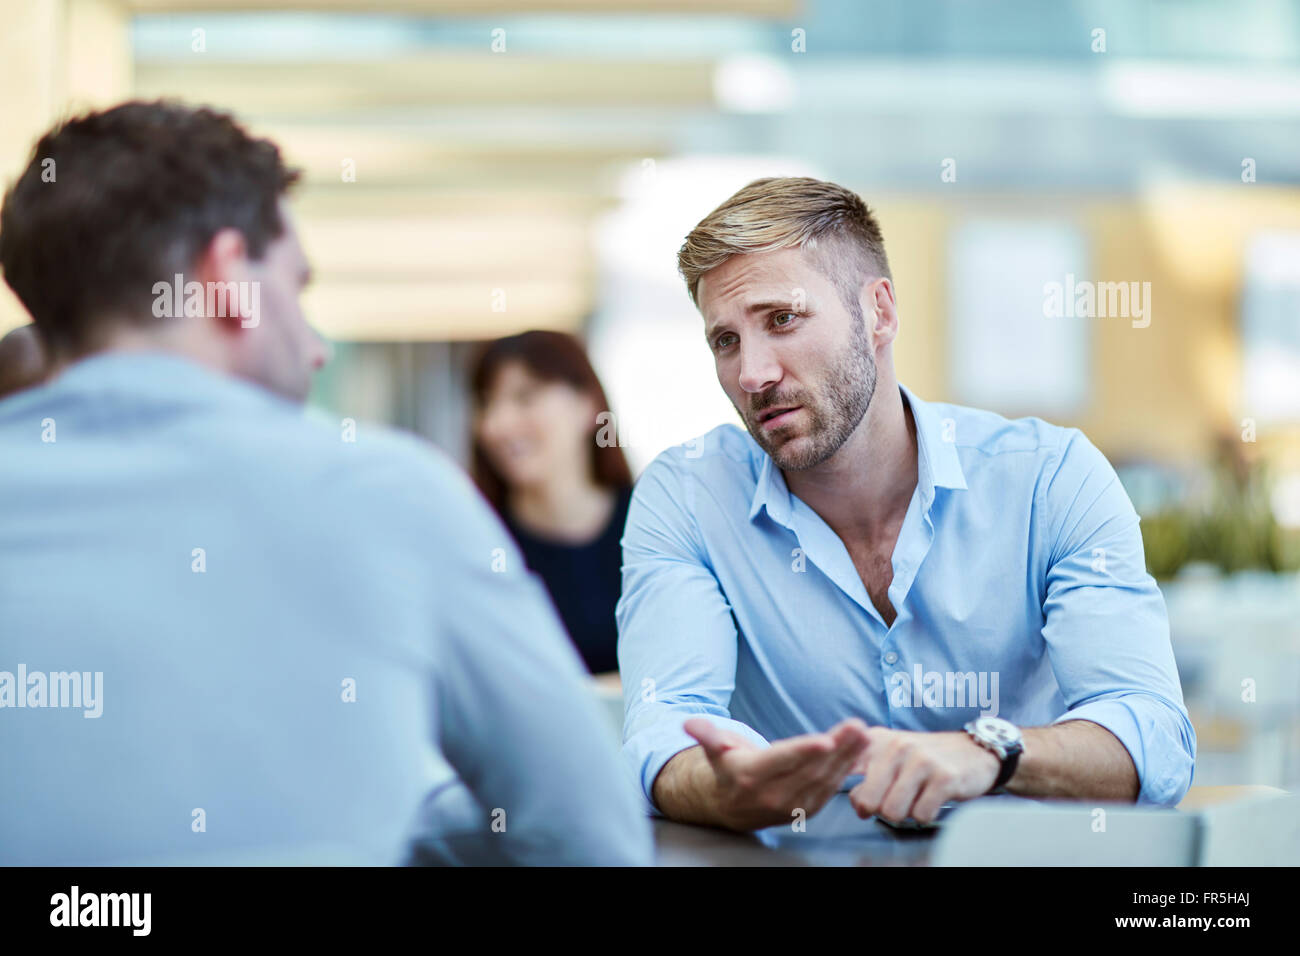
795	362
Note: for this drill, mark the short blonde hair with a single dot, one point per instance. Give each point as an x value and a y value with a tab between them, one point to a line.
788	212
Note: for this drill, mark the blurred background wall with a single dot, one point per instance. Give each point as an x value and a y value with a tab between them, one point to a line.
476	169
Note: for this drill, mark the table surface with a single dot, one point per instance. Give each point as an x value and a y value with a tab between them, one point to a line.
837	837
834	837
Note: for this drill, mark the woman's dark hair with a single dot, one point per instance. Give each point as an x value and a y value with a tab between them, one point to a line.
550	357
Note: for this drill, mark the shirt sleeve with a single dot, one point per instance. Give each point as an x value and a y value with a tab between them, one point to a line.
1106	627
677	640
515	715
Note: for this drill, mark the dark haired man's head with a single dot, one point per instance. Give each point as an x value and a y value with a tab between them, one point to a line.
115	205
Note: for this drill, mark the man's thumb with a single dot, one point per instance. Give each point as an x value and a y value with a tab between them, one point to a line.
712	738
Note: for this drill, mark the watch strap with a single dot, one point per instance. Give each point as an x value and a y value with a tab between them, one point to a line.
1009	764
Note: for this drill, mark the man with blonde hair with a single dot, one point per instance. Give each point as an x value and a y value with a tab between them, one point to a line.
923	579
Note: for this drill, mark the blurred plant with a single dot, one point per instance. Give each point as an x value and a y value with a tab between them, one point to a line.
1166	537
1234	528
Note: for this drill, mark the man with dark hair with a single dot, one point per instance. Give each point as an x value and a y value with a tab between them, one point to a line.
115	206
230	633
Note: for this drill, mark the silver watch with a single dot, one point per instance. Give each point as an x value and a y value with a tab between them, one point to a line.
1004	739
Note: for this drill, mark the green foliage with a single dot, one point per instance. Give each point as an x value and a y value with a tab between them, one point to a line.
1234	530
1167	537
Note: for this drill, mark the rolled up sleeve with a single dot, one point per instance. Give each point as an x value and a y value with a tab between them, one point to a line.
677	641
1105	623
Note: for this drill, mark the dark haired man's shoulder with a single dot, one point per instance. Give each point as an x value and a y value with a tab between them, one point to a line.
362	495
366	464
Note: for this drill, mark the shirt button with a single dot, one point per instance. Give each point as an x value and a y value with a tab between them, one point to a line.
891	658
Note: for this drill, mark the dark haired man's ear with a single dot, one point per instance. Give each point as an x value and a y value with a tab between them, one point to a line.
225	260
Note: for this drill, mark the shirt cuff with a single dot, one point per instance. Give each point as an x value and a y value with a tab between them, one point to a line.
646	751
1158	737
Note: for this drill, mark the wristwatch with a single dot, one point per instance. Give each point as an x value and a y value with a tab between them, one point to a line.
1003	738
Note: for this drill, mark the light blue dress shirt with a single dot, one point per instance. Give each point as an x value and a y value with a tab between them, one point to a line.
311	649
1019	586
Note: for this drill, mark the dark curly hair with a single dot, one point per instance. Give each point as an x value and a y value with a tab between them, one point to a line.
116	200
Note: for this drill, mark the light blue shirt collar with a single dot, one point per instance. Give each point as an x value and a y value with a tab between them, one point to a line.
153	370
938	466
158	375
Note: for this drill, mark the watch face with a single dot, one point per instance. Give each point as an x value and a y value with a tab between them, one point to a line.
997	730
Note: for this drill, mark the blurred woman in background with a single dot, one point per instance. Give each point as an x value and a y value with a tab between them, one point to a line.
563	496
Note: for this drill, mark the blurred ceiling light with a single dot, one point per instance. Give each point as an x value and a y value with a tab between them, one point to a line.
663	200
440	311
448	246
753	84
1219	92
1273	256
1269	334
